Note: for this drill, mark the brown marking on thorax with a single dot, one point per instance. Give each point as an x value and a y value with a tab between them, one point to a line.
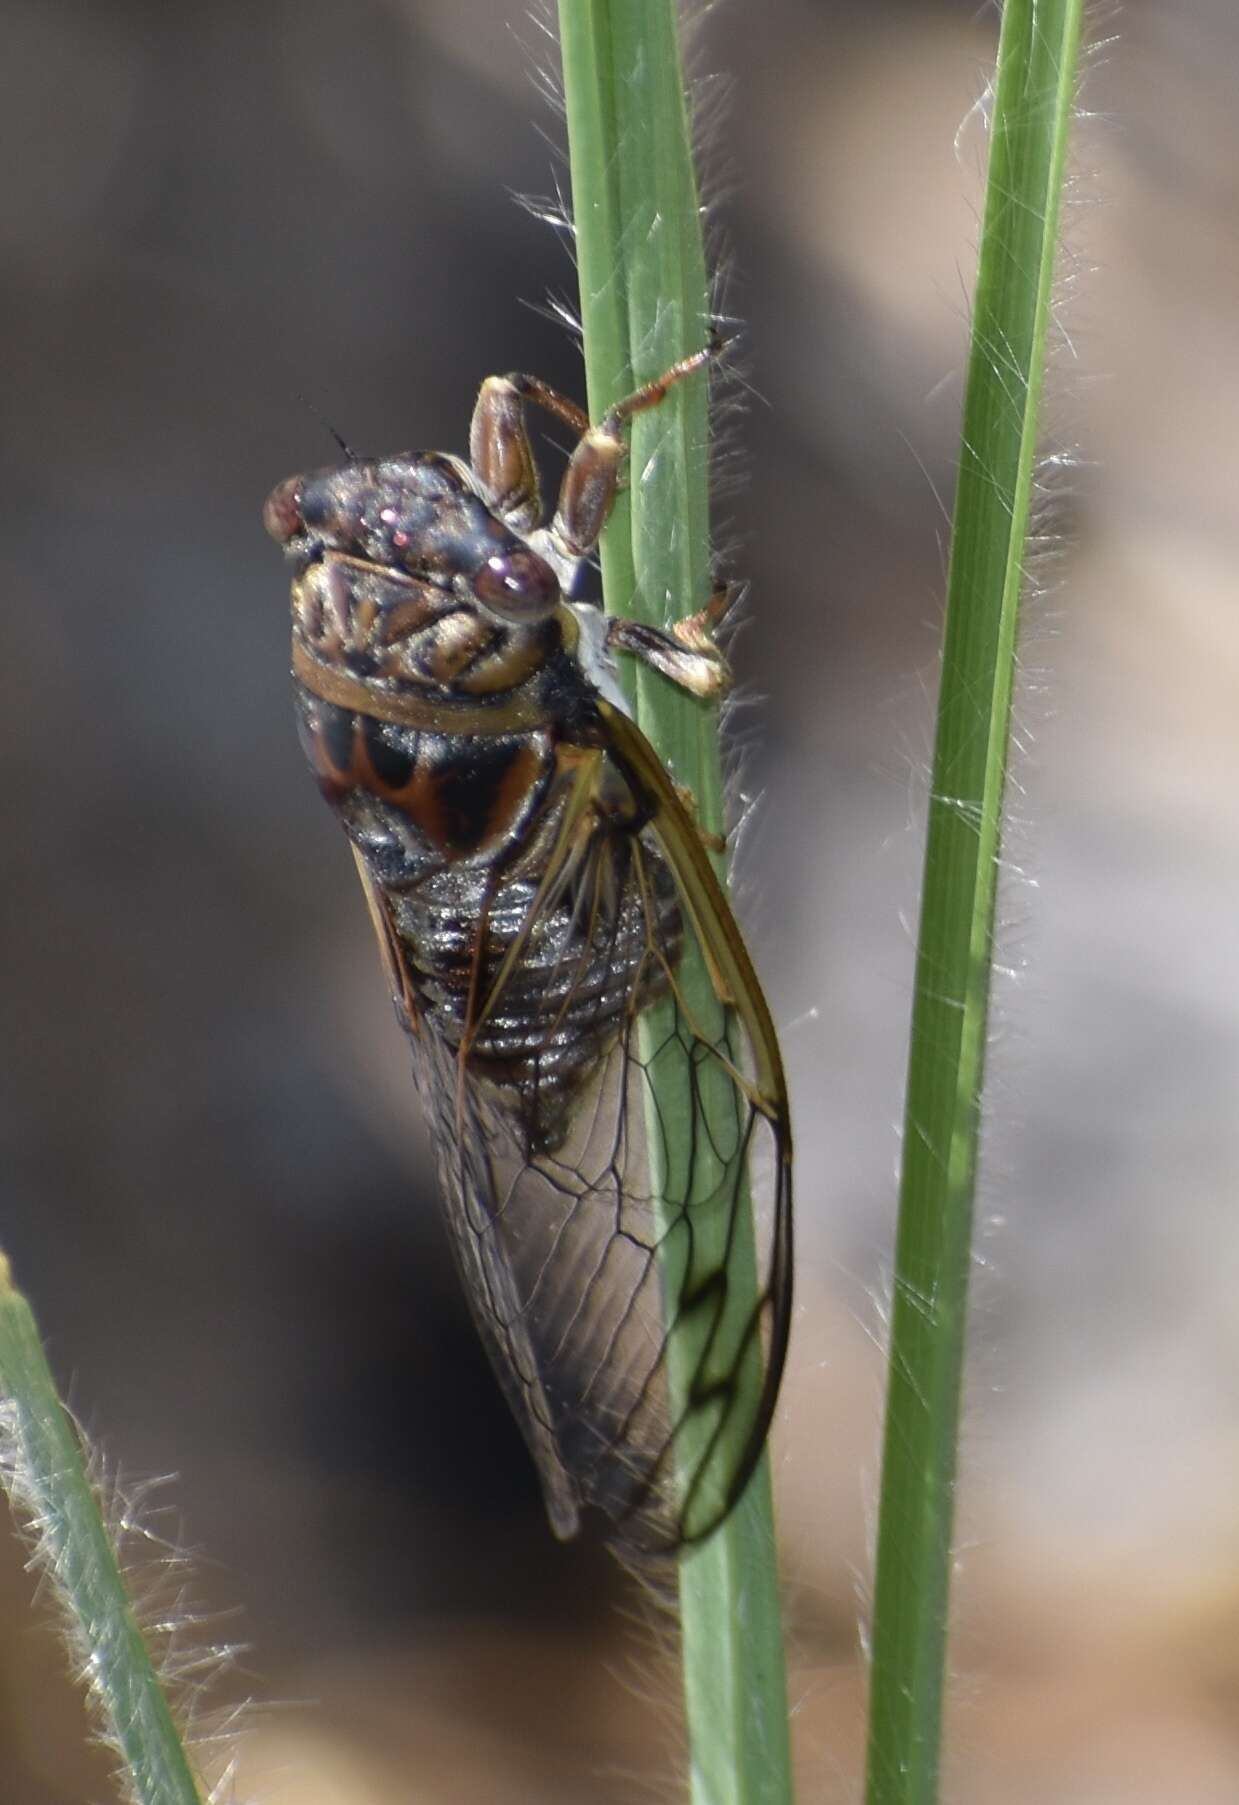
467	797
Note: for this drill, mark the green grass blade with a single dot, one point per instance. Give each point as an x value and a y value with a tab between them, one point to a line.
644	304
1034	94
45	1473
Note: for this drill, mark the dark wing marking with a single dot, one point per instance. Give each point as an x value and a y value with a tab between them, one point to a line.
730	1369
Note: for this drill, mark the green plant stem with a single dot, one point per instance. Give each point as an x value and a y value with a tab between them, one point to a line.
1034	93
644	305
50	1490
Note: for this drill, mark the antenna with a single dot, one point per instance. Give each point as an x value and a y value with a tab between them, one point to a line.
354	457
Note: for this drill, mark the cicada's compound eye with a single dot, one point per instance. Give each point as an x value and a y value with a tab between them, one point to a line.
281	514
518	586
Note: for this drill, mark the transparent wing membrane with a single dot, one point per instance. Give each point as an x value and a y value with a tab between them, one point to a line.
604	1234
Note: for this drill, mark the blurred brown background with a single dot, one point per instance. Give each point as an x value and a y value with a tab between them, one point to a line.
215	1187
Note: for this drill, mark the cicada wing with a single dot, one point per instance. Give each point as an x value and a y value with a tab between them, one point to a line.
493	1240
470	1141
602	1226
720	1149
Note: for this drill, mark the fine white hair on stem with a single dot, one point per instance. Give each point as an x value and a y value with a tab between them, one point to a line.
189	1656
709	96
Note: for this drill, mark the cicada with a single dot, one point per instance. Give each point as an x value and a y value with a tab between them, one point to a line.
590	1042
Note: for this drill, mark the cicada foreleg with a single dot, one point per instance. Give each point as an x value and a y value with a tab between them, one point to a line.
686	653
500	451
502	457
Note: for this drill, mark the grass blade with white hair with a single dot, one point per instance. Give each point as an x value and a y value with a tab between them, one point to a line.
44	1471
645	304
1033	99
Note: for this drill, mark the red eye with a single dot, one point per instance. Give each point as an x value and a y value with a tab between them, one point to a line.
517	584
282	514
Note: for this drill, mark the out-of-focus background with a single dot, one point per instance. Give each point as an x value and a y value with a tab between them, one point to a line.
216	1188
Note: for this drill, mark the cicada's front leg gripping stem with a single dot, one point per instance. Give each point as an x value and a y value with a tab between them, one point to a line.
686	653
503	462
500	453
587	493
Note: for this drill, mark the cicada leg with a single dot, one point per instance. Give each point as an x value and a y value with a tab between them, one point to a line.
499	449
711	841
686	653
502	457
587	493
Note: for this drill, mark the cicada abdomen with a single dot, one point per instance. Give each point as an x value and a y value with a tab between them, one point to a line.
539	891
